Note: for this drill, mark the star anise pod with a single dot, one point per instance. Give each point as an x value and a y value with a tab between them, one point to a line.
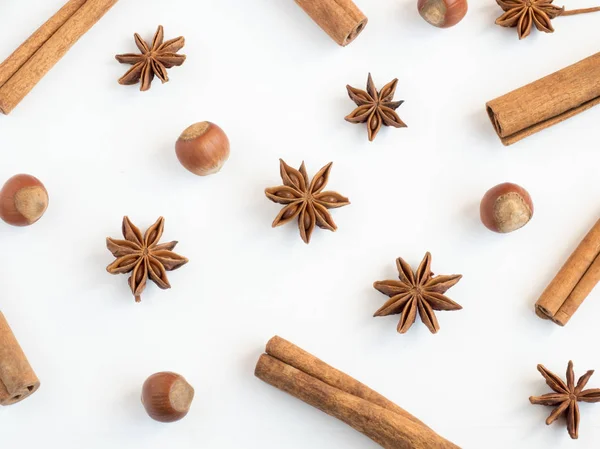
305	200
566	397
144	256
525	13
419	291
153	59
375	108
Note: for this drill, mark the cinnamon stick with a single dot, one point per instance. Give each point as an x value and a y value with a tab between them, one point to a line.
17	379
545	102
574	282
341	19
26	50
290	369
20	83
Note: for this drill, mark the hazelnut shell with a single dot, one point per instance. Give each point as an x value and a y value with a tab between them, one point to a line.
506	208
203	148
167	397
23	200
443	13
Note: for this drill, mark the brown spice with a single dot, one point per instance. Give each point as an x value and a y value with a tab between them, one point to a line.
341	19
43	55
376	108
565	397
153	59
26	50
547	101
523	14
290	369
305	200
144	256
574	282
419	291
17	379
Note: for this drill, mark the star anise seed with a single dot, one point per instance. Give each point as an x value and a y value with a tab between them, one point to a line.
305	200
566	396
375	108
523	14
143	256
153	60
419	291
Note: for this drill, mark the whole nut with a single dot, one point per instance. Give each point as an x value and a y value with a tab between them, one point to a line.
167	397
203	148
23	200
506	208
443	13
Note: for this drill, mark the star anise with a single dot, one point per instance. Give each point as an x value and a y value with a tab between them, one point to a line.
375	108
566	397
153	60
305	200
523	14
417	291
144	256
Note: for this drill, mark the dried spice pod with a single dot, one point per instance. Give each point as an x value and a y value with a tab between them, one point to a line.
375	108
341	19
167	397
524	14
419	291
305	200
443	13
566	396
506	208
23	200
17	379
203	148
143	256
153	60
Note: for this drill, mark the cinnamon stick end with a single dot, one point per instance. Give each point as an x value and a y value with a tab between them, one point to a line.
353	34
20	395
494	119
560	318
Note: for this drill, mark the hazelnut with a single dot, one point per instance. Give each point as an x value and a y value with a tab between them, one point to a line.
202	148
23	200
506	208
443	13
167	397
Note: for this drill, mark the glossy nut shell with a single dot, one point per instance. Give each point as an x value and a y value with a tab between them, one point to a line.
506	208
23	200
443	13
203	148
167	397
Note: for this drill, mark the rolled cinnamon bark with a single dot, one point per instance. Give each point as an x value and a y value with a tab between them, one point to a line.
17	379
341	19
290	369
545	102
294	356
57	45
573	283
22	54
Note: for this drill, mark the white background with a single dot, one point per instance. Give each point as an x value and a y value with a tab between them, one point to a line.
275	83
